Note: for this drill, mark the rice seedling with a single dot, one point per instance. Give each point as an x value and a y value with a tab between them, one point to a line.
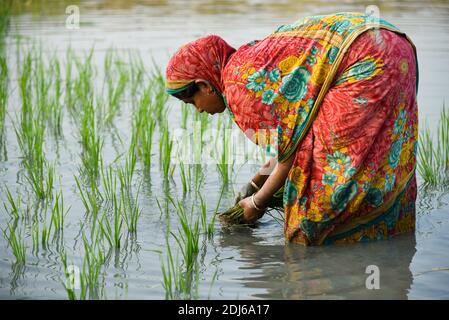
105	227
203	119
108	210
442	151
41	232
30	136
55	106
45	84
35	236
126	173
137	71
223	161
115	87
185	183
160	97
42	83
427	161
433	160
70	280
177	281
131	211
188	235
183	155
165	150
163	211
91	141
14	204
46	231
214	278
83	84
199	176
69	99
89	199
180	279
172	278
41	185
144	125
234	215
129	206
39	173
184	115
3	101
92	201
203	213
197	156
109	183
113	234
25	90
209	228
197	145
90	272
108	58
146	142
31	131
58	212
16	242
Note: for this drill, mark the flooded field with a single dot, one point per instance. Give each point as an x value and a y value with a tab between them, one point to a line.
91	181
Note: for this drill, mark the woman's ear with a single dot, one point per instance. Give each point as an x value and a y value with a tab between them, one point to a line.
204	86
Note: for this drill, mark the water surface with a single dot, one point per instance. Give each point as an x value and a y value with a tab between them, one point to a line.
240	262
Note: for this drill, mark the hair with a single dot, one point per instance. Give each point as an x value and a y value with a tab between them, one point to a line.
188	92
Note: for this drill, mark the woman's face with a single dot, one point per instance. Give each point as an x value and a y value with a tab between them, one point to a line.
206	99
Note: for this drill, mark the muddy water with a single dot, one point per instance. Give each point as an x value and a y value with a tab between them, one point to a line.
244	262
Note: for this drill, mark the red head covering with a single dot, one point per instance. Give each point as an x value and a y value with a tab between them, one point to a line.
204	58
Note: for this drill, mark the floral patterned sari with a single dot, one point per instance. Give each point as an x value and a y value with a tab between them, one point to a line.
338	93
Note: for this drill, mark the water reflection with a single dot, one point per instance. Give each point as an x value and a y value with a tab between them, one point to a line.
17	277
329	272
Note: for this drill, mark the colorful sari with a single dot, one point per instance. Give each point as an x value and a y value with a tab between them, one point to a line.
338	93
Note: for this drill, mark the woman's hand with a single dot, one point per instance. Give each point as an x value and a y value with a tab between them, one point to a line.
246	191
259	179
262	198
250	214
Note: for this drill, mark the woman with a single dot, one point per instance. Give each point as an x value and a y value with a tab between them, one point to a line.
337	93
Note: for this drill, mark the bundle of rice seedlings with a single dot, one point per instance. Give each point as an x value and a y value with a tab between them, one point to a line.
234	215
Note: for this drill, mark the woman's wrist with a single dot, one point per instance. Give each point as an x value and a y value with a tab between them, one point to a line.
272	184
254	185
255	205
259	181
260	201
263	174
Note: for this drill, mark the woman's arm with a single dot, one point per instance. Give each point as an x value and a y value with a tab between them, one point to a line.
264	172
272	184
258	180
